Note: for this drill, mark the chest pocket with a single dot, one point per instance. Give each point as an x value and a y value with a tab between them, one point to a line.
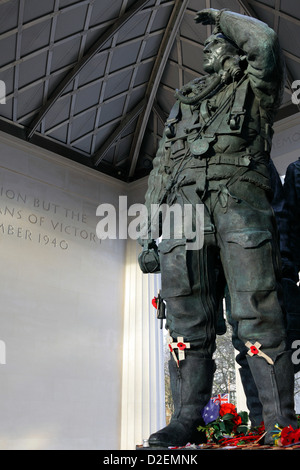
232	122
178	148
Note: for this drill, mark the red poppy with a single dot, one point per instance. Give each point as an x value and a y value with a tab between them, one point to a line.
181	346
254	350
237	420
227	408
154	302
289	435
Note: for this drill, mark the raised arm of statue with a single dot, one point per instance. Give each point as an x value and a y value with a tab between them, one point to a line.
259	44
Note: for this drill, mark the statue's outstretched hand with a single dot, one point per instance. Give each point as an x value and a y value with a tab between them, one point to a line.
207	16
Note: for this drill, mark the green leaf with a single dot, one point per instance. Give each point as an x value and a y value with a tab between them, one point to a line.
228	416
218	435
202	428
222	426
244	416
242	429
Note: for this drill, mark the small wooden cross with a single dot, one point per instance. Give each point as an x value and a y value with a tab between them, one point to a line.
180	345
255	351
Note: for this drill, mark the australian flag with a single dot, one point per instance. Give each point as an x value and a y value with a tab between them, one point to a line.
211	411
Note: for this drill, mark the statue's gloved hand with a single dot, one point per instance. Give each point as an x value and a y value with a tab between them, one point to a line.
206	16
149	258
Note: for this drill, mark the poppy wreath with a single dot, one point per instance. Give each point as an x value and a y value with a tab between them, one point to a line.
230	429
229	424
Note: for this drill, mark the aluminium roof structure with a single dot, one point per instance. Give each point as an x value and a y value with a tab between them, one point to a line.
93	80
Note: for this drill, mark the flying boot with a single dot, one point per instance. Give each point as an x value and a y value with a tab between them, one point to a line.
275	384
191	386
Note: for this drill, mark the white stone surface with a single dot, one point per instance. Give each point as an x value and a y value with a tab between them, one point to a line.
61	304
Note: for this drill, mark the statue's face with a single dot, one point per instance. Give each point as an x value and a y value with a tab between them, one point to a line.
216	49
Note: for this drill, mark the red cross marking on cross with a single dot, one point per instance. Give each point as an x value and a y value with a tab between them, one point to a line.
180	345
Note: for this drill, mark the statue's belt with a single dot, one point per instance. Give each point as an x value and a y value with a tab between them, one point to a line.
228	159
237	159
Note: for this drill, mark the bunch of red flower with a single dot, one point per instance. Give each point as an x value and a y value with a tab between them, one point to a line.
289	436
229	408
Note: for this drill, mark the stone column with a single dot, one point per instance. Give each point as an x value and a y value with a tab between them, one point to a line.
143	391
241	404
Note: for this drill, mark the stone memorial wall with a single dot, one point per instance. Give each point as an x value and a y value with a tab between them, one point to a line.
61	313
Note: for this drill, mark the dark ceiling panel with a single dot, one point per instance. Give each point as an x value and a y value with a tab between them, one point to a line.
9	15
70	21
65	52
34	9
286	31
32	71
8	47
124	55
105	10
35	38
29	100
230	4
270	3
79	74
290	7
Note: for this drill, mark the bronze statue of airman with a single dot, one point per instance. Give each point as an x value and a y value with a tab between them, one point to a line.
215	151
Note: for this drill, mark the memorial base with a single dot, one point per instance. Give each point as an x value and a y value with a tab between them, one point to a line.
213	447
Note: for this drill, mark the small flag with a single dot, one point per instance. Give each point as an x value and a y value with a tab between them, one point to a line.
210	412
224	398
